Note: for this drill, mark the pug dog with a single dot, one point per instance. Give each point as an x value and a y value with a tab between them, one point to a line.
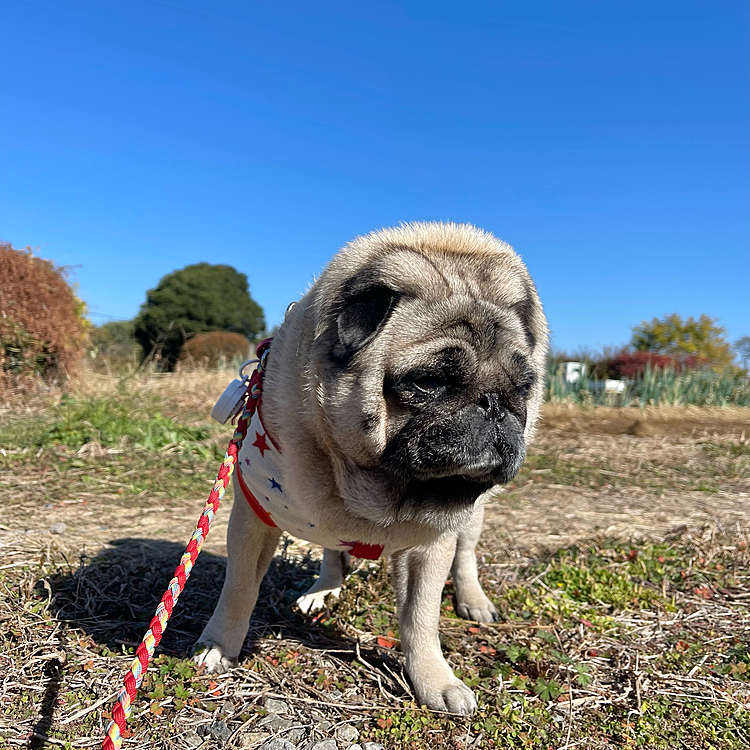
401	388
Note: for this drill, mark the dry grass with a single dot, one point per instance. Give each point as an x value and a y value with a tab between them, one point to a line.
618	560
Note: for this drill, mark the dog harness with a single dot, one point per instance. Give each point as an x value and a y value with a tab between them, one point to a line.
262	483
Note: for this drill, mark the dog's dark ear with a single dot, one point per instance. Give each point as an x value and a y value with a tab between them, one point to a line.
364	313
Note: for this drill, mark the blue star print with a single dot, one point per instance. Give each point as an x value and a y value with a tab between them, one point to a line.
275	485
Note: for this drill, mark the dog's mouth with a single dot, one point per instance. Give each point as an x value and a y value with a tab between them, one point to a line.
450	490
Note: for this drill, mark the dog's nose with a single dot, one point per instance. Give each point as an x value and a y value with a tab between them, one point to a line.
489	405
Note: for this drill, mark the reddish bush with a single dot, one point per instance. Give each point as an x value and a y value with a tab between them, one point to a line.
215	347
631	364
42	324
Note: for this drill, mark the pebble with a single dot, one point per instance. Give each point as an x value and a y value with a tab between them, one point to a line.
277	743
57	528
372	746
325	725
295	734
276	722
325	745
274	706
347	733
252	739
193	738
220	731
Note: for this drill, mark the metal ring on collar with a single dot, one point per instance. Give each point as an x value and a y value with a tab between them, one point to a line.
245	364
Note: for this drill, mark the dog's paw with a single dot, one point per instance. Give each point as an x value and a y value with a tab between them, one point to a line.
312	601
211	656
452	696
477	607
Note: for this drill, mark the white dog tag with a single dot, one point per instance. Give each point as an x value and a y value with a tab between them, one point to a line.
230	401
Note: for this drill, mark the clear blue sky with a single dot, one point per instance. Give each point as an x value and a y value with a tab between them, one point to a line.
606	140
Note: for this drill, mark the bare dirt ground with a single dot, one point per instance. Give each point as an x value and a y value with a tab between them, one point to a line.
87	544
632	474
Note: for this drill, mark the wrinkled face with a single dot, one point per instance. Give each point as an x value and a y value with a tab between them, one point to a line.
427	390
455	399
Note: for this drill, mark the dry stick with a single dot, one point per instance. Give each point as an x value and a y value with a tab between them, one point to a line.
90	708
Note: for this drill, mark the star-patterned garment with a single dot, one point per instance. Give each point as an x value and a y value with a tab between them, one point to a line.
262	484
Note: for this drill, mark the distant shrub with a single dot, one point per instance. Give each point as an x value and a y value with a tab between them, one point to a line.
113	344
215	348
42	323
632	364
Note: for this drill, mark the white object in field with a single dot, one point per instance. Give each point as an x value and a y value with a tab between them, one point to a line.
573	371
614	386
608	386
230	402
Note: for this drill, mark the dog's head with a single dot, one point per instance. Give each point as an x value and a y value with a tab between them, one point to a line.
428	366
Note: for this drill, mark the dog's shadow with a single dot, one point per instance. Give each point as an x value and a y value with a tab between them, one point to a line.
112	597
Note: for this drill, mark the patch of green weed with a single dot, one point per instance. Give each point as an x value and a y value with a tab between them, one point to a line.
113	422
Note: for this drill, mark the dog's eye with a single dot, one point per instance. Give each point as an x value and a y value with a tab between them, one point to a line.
524	387
429	384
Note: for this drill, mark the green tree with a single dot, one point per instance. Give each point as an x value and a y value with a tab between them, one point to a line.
195	299
671	335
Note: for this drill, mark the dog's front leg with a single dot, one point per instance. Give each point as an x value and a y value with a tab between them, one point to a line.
250	547
419	577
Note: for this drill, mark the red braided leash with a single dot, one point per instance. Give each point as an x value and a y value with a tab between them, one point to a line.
158	624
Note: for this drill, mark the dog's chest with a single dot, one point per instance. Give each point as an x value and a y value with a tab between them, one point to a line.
262	482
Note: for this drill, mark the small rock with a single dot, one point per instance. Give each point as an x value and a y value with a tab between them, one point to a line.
354	747
253	739
274	706
276	722
192	738
295	734
324	726
57	528
347	733
325	745
277	743
220	731
372	746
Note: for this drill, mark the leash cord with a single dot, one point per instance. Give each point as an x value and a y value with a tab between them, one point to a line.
123	705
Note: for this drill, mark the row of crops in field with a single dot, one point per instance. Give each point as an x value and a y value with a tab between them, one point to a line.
657	387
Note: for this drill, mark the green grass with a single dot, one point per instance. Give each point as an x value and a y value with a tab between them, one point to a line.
136	449
118	421
115	422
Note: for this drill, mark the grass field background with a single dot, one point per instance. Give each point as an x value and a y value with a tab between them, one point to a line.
618	560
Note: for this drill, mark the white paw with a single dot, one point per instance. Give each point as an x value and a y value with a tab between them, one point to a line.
211	656
478	608
453	697
312	601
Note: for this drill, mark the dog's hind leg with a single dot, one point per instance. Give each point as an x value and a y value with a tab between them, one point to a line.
333	570
250	547
471	602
